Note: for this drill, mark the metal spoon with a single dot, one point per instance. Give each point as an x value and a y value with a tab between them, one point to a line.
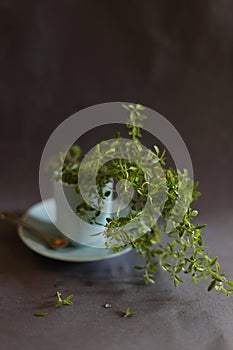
54	243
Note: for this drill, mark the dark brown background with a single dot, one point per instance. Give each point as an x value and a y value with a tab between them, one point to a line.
57	57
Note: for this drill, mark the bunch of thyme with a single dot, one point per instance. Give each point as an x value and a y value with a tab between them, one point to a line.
182	250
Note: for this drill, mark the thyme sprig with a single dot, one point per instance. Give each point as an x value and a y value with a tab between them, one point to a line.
129	313
59	302
66	301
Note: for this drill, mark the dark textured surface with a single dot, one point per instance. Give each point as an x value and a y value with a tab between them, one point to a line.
184	318
58	57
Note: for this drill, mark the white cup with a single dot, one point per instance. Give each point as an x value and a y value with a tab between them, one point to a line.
70	224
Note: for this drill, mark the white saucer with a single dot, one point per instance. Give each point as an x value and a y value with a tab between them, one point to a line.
37	216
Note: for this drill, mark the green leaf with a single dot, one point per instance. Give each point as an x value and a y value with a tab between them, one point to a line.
60	301
176	283
156	148
212	285
41	313
149	280
158	252
178	278
200	226
67	300
216	276
195	279
140	107
200	268
213	261
125	107
217	265
128	313
166	266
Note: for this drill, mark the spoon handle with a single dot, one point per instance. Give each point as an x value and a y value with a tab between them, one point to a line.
4	215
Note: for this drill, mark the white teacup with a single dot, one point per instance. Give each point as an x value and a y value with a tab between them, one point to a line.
73	226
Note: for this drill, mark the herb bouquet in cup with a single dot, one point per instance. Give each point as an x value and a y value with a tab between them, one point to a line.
145	192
